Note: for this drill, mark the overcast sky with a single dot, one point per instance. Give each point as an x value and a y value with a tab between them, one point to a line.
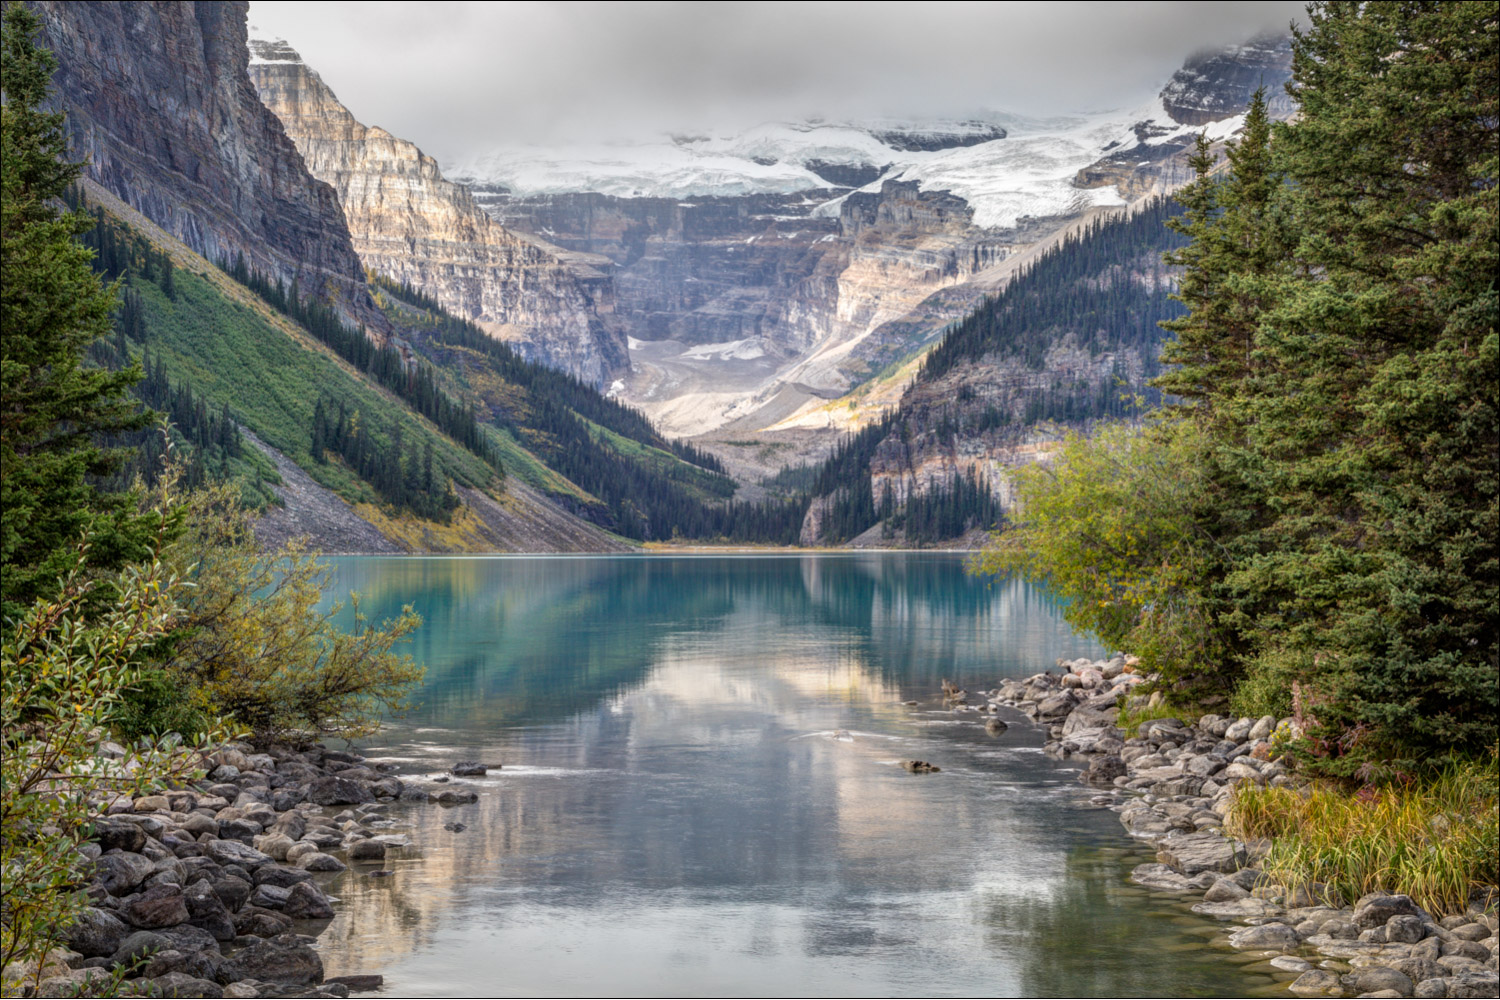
456	77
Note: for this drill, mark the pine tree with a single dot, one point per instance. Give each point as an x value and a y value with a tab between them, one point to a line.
52	308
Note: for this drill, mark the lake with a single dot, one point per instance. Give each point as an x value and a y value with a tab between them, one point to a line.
700	791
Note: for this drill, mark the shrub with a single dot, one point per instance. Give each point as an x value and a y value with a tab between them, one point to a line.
65	664
259	648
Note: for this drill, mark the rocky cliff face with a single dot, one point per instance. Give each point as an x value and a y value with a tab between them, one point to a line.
748	312
411	225
1214	85
159	101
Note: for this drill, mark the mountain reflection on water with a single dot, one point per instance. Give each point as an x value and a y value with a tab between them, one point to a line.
701	791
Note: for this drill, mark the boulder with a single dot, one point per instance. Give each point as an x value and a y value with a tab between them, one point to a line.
284	959
1430	989
269	897
357	983
232	852
306	901
317	861
1203	851
1224	891
1104	769
367	850
232	891
1160	877
1376	911
119	835
1096	712
463	796
258	922
280	875
1404	928
139	945
96	932
158	906
468	769
1272	936
1474	983
332	790
120	873
1379	977
207	911
914	766
1315	983
180	984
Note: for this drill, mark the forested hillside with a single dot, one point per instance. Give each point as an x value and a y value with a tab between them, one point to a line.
1071	340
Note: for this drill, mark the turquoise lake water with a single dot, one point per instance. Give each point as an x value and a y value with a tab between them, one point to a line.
700	791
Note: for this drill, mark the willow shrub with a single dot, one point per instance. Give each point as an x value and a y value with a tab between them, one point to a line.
1110	525
67	666
1436	840
257	645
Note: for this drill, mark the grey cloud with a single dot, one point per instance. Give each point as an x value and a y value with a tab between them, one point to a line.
457	77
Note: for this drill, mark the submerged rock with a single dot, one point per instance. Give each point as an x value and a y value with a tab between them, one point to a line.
920	766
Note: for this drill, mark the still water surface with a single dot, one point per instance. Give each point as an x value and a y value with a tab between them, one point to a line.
701	791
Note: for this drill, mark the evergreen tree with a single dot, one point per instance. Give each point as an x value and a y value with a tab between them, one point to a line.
52	309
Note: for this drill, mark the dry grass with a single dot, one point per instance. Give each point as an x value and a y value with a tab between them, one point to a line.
1437	840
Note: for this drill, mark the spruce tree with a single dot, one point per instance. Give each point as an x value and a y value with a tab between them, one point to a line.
52	308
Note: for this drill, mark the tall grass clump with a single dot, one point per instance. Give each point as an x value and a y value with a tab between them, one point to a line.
1436	840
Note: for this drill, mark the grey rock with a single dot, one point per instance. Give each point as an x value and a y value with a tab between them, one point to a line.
1318	982
1340	929
1471	932
1374	978
332	790
1418	970
1430	989
285	959
1224	891
1191	853
1239	729
1477	983
1275	936
1468	949
120	873
232	852
1160	877
320	862
1104	769
1374	911
1248	908
1263	728
232	891
260	922
281	875
139	945
1404	928
158	906
180	984
367	850
468	769
96	932
306	901
269	897
119	834
1290	963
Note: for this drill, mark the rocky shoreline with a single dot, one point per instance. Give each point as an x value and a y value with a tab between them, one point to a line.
1170	785
220	888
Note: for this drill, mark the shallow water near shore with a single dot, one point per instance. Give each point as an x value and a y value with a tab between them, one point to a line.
701	791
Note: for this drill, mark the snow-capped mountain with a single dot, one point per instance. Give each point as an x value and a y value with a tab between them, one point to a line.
1008	168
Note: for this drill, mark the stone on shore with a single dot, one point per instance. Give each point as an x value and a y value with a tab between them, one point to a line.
284	959
1192	853
1376	911
333	790
1275	936
469	769
96	933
